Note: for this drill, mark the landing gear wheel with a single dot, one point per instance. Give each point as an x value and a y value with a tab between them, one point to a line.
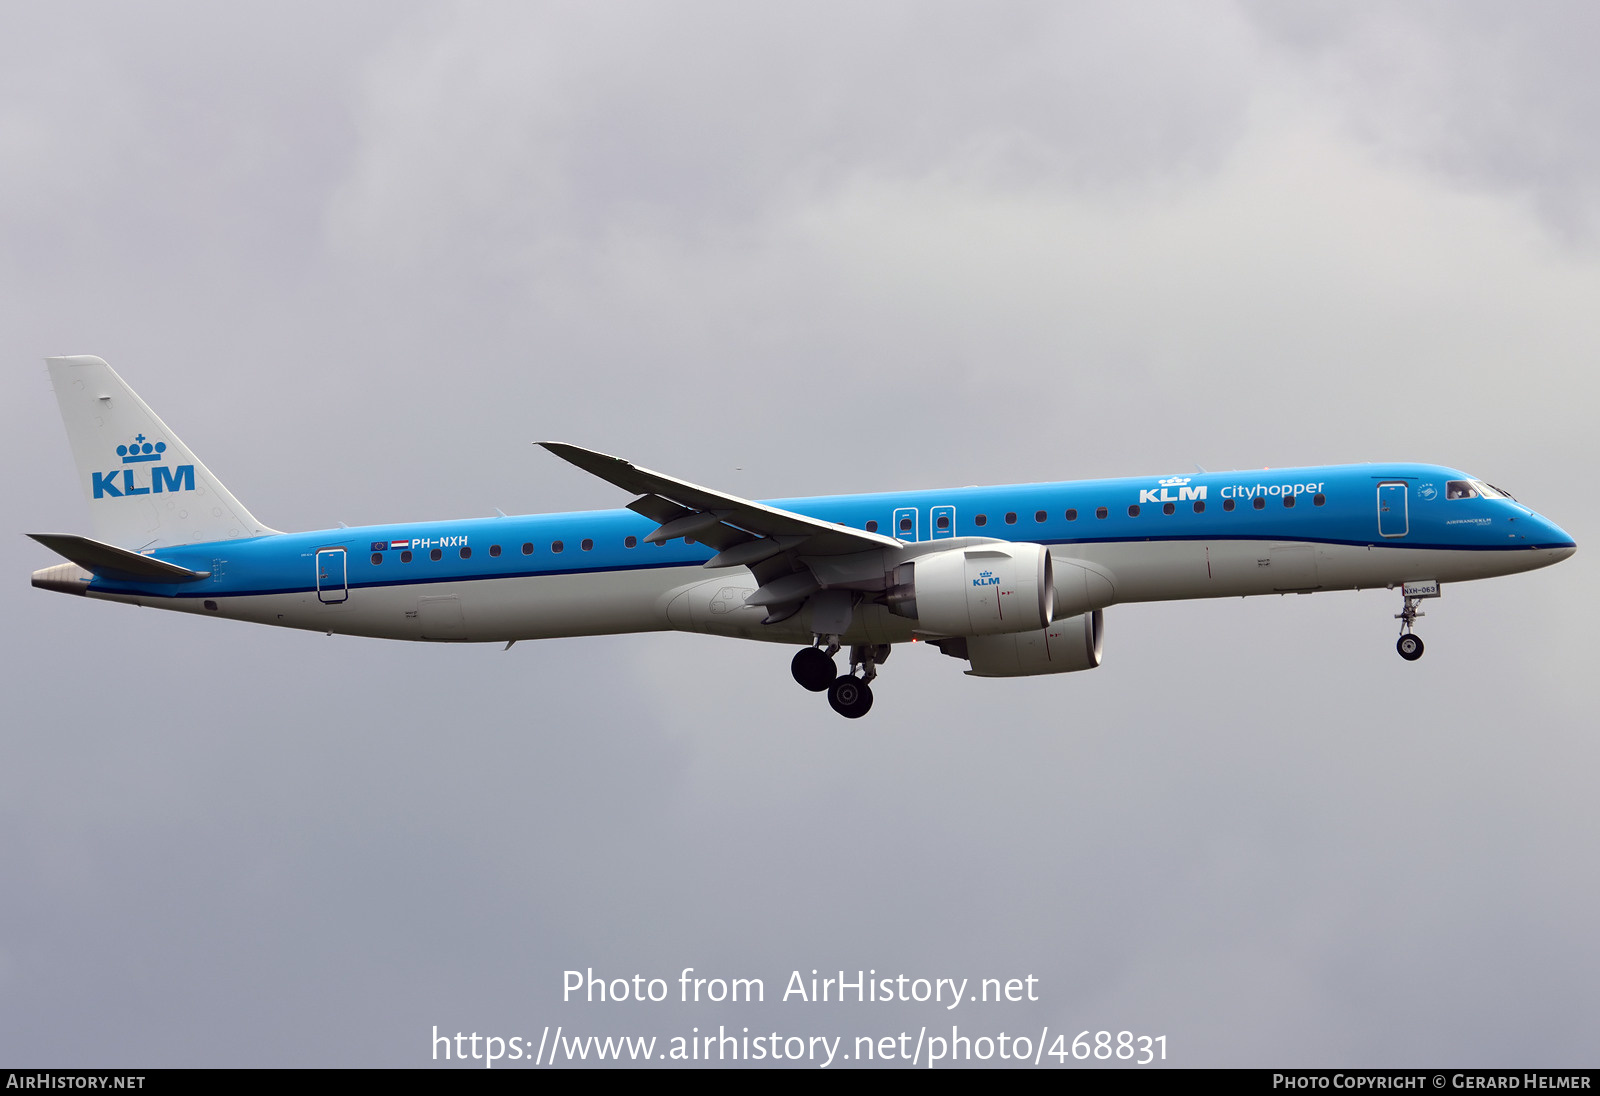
850	696
813	669
1410	647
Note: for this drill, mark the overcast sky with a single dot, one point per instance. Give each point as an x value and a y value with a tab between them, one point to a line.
360	256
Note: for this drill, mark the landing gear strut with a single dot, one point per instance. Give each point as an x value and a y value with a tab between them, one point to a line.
849	694
1409	644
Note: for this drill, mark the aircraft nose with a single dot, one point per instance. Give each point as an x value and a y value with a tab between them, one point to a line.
1554	539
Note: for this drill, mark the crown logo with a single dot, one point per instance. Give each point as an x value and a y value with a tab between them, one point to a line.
141	451
1176	481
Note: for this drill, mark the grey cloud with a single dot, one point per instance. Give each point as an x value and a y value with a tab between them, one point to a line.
1494	96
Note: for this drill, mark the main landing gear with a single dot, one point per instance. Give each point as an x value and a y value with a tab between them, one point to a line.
850	694
813	667
1409	644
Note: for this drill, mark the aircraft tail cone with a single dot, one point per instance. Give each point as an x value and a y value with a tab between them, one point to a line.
63	578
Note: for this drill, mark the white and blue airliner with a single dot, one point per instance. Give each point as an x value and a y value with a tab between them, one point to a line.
1014	579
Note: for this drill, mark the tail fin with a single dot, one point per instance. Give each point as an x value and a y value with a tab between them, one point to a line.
145	488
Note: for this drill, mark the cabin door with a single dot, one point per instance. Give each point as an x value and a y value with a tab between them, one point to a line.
1393	518
332	576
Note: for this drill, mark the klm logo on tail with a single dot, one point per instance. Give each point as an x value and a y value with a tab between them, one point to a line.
119	483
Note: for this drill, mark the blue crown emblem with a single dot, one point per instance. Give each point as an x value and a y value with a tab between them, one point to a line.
1176	481
141	451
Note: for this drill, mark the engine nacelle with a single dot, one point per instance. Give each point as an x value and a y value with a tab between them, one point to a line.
1065	646
988	589
1082	586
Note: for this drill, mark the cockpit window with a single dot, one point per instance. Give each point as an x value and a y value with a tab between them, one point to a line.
1474	489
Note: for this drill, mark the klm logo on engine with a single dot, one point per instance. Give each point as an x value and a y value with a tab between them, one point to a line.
1164	492
122	482
986	578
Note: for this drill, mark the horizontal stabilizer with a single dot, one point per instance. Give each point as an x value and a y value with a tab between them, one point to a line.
109	561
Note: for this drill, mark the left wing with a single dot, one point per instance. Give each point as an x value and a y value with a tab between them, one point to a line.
770	541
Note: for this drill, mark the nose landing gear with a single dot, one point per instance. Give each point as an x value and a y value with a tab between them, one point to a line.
1410	644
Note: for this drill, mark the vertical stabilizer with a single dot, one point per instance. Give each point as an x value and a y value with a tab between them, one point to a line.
146	489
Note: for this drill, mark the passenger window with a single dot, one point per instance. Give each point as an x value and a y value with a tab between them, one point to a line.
632	542
1460	489
494	549
587	545
872	527
1011	518
943	522
1072	515
527	549
981	519
1199	507
1318	499
905	525
466	553
556	546
1227	504
1288	502
1101	512
1039	517
436	555
1133	511
1259	503
377	557
1168	508
405	557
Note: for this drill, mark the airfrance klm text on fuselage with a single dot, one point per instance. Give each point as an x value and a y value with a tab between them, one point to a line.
1012	579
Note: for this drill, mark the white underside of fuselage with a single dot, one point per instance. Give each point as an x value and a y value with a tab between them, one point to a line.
693	599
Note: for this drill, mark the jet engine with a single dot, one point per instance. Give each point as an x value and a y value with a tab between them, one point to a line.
987	589
1065	646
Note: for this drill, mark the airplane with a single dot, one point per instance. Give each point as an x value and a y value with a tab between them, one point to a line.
1014	580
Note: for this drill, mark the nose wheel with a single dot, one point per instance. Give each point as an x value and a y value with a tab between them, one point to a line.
1409	646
